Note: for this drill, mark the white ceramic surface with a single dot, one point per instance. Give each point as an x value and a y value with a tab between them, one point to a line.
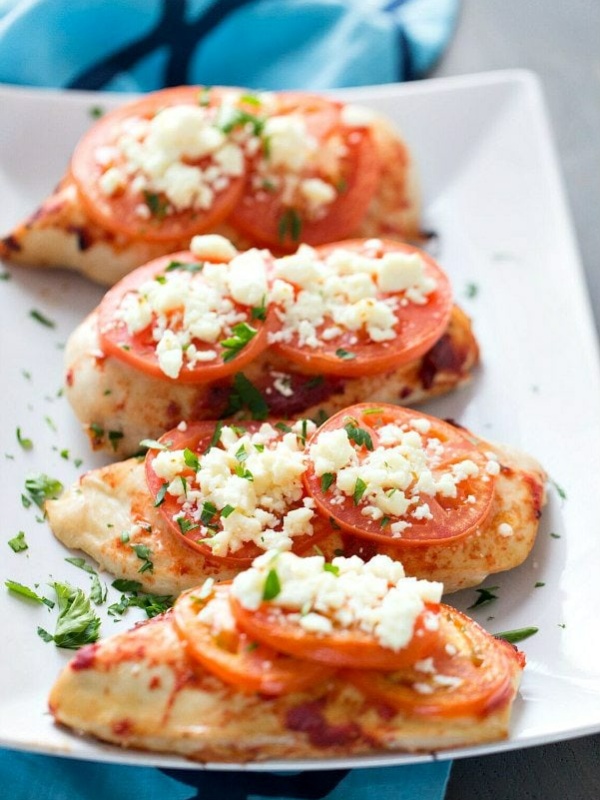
492	192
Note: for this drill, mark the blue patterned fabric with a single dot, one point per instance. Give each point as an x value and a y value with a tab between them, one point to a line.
26	776
140	45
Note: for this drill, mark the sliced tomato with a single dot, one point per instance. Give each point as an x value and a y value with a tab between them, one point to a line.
198	438
452	517
267	214
139	350
469	674
232	655
119	212
354	353
343	647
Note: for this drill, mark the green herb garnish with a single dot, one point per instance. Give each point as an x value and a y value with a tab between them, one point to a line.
144	553
272	585
77	561
160	495
77	622
360	488
18	543
289	226
158	205
486	595
24	591
359	435
245	395
41	318
333	568
41	487
191	459
345	355
327	478
25	443
242	334
193	266
516	635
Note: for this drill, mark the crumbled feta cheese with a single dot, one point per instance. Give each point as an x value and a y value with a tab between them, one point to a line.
213	247
506	530
377	599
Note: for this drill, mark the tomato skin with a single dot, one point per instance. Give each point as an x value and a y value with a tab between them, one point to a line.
197	437
234	657
262	216
138	350
453	518
117	213
341	648
418	327
483	667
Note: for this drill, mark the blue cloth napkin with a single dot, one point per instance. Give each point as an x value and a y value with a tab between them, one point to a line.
140	45
26	776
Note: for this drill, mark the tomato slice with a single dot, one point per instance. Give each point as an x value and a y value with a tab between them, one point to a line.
232	655
139	349
471	674
352	353
343	647
199	438
443	448
273	209
119	210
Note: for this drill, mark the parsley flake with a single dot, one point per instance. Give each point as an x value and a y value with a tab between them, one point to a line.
360	488
272	585
327	478
158	205
41	318
41	487
516	635
242	334
359	435
289	226
245	395
24	591
18	543
486	595
25	443
345	355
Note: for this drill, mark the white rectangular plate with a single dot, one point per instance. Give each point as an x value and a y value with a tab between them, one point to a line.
492	193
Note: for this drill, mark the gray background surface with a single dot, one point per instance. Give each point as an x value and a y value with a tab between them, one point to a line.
559	40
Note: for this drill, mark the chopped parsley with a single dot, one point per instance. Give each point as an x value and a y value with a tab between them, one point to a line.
516	635
227	510
471	290
24	591
158	205
77	622
41	487
77	561
241	453
333	568
215	438
359	435
152	604
5	276
242	334
186	525
559	490
96	112
345	355
144	553
25	443
160	495
186	266
18	544
272	585
555	535
327	478
153	444
281	426
289	226
41	318
236	118
245	395
539	584
191	459
486	595
98	591
360	488
259	312
208	513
